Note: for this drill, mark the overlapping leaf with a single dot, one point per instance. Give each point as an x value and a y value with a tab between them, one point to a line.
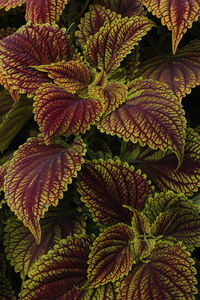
180	72
106	186
151	115
4	163
21	247
160	167
107	48
8	4
111	255
111	96
6	292
162	202
179	224
6	31
56	273
72	76
32	45
93	20
58	112
6	102
15	119
177	15
169	274
44	11
37	176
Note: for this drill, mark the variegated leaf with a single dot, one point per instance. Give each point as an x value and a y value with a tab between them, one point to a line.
32	45
44	11
160	166
179	224
8	4
150	115
58	112
124	7
20	246
15	119
177	15
62	269
169	274
37	177
180	72
108	47
6	31
93	20
72	75
106	186
111	256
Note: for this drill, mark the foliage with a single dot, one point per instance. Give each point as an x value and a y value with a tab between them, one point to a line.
100	156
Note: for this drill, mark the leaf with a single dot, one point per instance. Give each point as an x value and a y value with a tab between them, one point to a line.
59	271
163	202
8	4
108	47
105	186
3	171
5	103
182	224
32	45
93	20
151	115
72	75
44	11
112	95
58	112
180	71
6	292
169	274
178	16
6	31
160	167
124	7
111	255
15	119
37	177
103	292
20	246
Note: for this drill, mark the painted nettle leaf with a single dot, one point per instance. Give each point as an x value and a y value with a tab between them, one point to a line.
177	15
99	150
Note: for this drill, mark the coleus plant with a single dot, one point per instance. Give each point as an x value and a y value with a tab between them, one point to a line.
110	127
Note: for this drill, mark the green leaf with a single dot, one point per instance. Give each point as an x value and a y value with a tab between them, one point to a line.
111	256
108	47
6	292
105	186
169	274
37	177
62	269
15	119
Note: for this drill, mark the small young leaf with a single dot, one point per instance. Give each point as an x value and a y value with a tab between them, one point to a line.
20	246
72	75
58	112
160	167
169	274
180	72
177	15
111	255
106	186
56	273
37	176
8	4
15	119
44	11
32	45
93	20
124	7
108	47
151	115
